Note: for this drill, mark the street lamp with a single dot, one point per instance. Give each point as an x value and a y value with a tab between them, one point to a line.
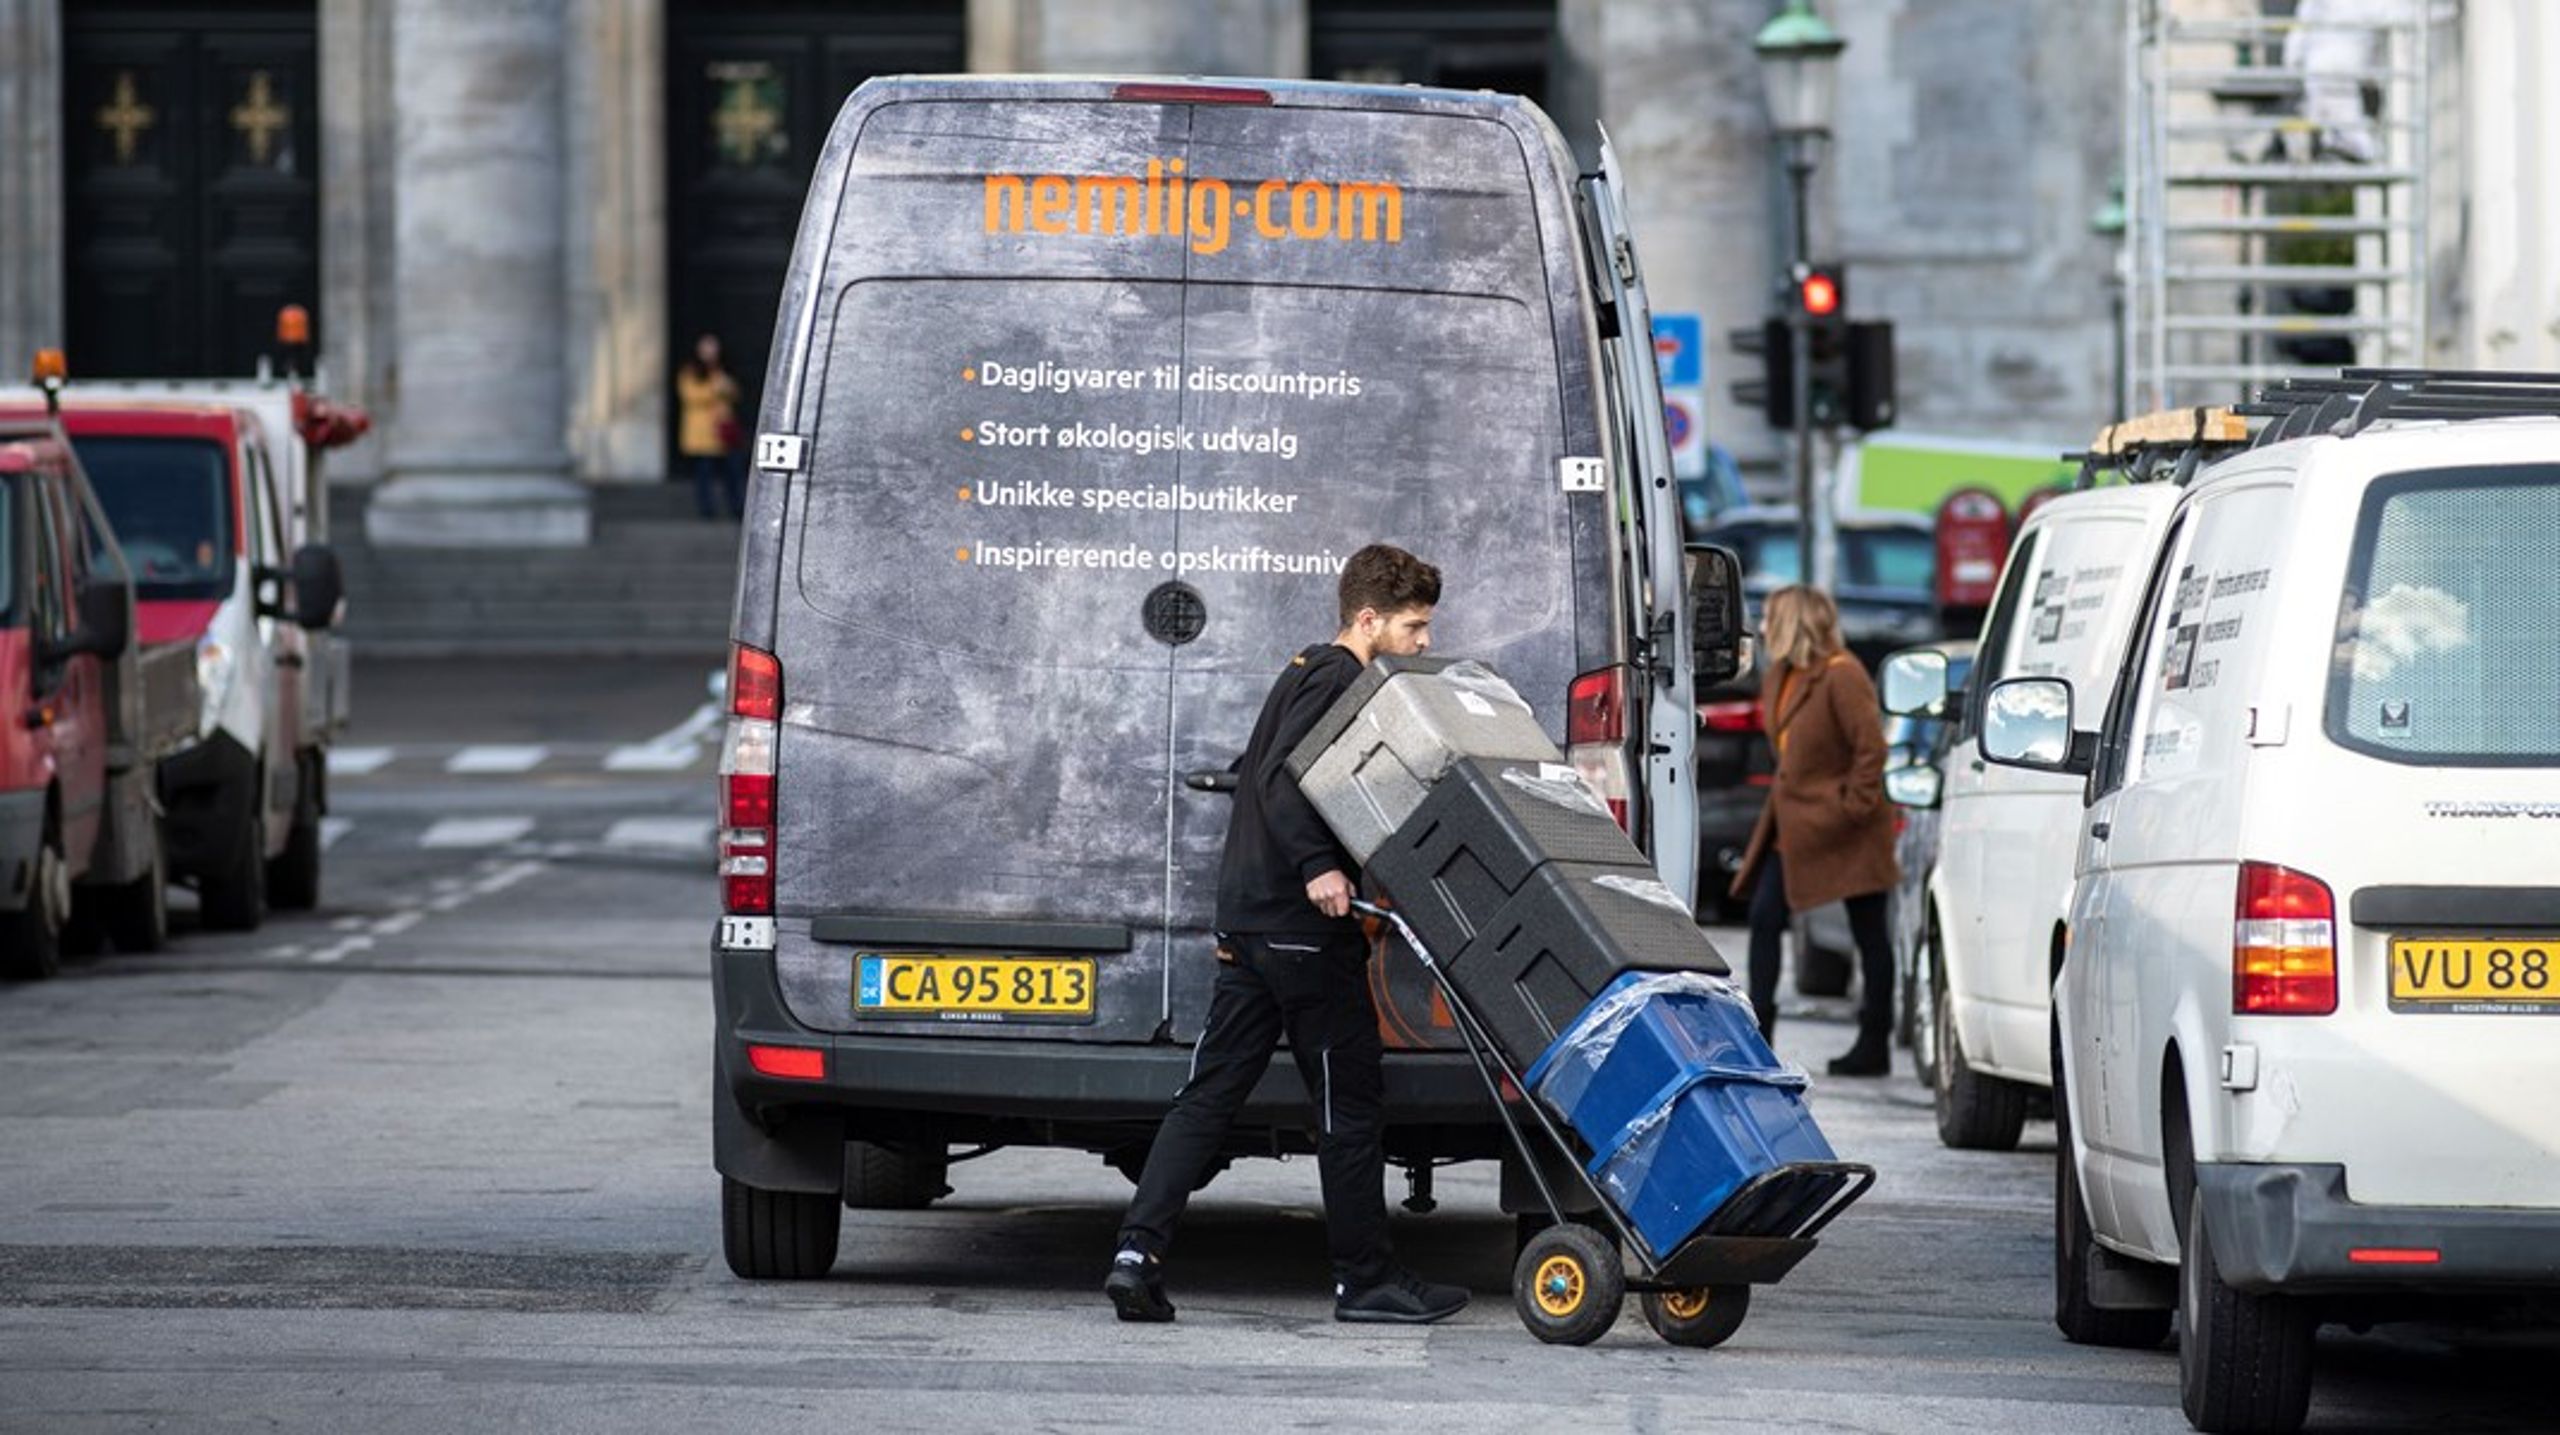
1800	65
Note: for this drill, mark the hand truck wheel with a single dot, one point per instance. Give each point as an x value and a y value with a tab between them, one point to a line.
1701	1317
1568	1285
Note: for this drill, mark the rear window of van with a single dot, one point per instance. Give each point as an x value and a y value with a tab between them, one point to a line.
2448	637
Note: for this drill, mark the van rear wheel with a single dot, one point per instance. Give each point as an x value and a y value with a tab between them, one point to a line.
136	913
778	1235
31	937
2244	1361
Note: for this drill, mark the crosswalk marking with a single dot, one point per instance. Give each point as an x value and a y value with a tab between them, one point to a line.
675	833
651	757
498	757
357	761
475	831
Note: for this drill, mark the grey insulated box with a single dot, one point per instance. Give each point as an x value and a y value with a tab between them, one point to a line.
1475	841
1371	760
1571	931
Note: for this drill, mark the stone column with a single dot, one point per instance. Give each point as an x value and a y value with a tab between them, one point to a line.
359	314
31	253
478	455
618	374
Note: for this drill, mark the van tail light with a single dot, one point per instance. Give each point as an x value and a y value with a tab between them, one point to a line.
1177	94
747	783
1733	717
2284	945
1595	734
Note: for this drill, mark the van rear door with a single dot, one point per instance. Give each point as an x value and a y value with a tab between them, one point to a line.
1099	395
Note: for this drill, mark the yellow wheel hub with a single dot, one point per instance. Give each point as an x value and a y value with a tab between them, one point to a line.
1560	1286
1684	1305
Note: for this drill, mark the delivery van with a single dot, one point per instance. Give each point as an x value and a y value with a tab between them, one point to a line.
1081	393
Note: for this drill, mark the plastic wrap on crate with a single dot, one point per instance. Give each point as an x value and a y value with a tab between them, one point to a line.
1645	889
1564	1074
1375	755
1561	785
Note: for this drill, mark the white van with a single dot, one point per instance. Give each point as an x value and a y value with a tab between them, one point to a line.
1996	901
2315	939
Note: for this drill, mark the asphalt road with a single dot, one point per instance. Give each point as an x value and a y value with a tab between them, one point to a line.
437	1158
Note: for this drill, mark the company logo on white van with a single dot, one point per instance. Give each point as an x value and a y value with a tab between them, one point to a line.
1204	210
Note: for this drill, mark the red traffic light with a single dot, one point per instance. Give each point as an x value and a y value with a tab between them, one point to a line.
1819	294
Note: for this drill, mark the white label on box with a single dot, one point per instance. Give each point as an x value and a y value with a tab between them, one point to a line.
1475	705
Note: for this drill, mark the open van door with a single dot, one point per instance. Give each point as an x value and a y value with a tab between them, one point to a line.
1659	710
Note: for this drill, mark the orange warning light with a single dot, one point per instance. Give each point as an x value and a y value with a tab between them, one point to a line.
51	367
293	325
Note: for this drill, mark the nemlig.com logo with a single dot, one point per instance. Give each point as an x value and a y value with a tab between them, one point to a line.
1208	212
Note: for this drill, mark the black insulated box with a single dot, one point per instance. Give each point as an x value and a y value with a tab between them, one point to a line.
1486	826
1571	930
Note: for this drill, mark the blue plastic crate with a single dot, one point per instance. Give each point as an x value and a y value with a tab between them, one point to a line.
1667	1079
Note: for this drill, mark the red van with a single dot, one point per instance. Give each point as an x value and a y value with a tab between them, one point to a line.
83	720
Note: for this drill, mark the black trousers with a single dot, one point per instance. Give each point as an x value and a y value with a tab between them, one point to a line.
1869	927
1315	991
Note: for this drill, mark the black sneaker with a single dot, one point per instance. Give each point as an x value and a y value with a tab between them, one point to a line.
1403	1298
1136	1288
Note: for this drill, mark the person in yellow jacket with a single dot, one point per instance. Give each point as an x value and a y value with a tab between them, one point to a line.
707	429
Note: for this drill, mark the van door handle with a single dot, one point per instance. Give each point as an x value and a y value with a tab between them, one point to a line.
2098	831
1217	779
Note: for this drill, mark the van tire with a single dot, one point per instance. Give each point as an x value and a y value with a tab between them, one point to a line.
234	898
2244	1361
886	1178
135	914
31	944
778	1235
2074	1245
293	878
1975	1112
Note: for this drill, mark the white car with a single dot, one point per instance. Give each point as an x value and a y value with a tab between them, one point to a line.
2304	1071
1997	899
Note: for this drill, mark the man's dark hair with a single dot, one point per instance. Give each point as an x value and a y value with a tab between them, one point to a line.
1387	578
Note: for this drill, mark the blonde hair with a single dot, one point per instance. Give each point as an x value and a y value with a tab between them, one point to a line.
1803	627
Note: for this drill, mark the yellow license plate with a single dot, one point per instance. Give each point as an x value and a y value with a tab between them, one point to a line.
973	988
2476	974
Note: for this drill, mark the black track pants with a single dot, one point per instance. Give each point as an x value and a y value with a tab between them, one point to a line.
1870	926
1315	991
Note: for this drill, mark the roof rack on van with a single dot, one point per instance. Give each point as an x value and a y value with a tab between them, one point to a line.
2359	398
2168	445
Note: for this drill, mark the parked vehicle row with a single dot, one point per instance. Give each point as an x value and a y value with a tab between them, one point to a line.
200	505
2247	862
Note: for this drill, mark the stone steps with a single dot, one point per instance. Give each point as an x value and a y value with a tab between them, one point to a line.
656	581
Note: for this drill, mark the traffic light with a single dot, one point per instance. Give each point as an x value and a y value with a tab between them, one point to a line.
1822	300
1870	382
1774	392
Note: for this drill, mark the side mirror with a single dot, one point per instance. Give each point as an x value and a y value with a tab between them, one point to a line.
2026	723
1917	785
105	623
318	587
1915	683
1719	630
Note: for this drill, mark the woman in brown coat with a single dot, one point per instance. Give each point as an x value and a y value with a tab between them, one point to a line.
1827	832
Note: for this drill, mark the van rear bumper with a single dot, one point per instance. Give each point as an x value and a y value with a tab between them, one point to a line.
1035	1080
21	831
2291	1229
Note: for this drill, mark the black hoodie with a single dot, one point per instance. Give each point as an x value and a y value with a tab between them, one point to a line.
1276	844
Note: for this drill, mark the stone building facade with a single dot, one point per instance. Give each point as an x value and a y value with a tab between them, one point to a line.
509	216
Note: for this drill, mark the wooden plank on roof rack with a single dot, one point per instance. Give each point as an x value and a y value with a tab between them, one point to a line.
2175	427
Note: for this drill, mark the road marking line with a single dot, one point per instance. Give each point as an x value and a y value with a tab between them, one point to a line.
665	833
398	922
498	757
337	951
475	831
645	757
333	828
347	924
357	761
501	880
